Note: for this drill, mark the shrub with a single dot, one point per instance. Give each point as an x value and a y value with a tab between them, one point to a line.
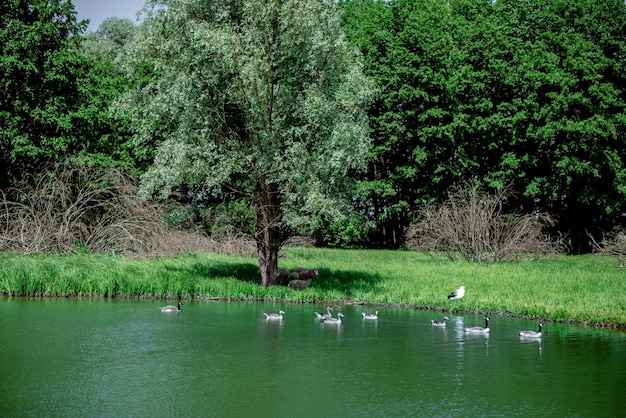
614	244
78	207
471	224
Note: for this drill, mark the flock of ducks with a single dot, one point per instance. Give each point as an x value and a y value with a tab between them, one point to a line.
327	317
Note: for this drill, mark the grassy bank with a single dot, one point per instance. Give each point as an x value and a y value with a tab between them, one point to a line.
583	289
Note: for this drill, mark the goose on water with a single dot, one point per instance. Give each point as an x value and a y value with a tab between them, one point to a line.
171	308
441	323
324	315
479	330
370	315
332	320
274	316
457	294
531	334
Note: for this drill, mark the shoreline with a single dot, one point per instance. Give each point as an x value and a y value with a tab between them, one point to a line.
563	289
621	327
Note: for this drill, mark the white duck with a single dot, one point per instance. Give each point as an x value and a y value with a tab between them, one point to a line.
171	308
370	316
457	294
479	330
332	320
531	334
274	316
441	323
324	315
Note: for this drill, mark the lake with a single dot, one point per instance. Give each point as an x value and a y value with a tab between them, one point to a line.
81	357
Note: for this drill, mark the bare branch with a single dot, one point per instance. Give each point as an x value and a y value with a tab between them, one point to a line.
471	224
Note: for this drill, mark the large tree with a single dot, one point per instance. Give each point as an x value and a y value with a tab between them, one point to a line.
55	98
39	69
260	100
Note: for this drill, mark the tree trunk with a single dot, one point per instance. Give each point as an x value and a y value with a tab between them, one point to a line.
268	263
270	233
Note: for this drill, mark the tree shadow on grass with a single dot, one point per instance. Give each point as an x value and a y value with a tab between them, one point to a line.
246	272
348	282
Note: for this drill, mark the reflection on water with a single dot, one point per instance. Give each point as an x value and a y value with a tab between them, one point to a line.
532	341
112	358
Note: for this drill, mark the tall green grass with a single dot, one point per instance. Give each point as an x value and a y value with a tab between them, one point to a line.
582	289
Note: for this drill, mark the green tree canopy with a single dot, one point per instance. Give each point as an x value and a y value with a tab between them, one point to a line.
55	100
261	100
39	68
110	141
109	41
509	92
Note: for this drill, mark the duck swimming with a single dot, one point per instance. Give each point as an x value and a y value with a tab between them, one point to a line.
324	315
531	334
171	308
274	316
479	330
441	323
370	316
334	320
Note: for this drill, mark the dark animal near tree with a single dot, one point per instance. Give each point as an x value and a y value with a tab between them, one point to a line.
305	273
298	284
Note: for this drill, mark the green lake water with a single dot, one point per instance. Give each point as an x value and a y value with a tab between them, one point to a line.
75	358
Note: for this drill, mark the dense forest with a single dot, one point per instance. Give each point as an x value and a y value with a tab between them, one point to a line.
337	120
526	93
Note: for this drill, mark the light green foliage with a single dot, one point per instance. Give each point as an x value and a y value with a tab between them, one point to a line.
260	99
108	42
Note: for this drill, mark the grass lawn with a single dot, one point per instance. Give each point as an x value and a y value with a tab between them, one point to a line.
584	289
